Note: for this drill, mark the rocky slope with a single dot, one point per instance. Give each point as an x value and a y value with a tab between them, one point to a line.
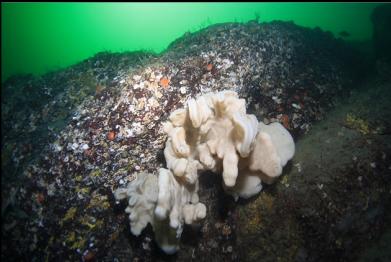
71	137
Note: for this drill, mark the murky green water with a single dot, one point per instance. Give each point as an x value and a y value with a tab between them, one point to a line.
40	37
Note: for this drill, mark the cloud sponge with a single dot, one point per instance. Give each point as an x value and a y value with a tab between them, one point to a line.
215	133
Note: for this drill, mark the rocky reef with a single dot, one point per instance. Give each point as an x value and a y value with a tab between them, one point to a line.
72	137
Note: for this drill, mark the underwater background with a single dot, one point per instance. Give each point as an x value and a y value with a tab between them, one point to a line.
40	37
88	94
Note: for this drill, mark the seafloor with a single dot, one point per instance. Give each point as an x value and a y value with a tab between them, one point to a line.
71	137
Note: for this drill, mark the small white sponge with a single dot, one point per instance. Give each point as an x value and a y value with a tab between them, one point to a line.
165	202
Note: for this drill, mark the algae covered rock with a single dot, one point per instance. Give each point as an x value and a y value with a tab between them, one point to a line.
105	119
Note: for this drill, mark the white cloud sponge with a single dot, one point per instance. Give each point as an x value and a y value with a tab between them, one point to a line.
215	133
163	201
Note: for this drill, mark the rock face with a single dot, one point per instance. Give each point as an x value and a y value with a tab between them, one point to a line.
105	117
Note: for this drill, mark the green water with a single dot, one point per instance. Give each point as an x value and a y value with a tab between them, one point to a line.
40	37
